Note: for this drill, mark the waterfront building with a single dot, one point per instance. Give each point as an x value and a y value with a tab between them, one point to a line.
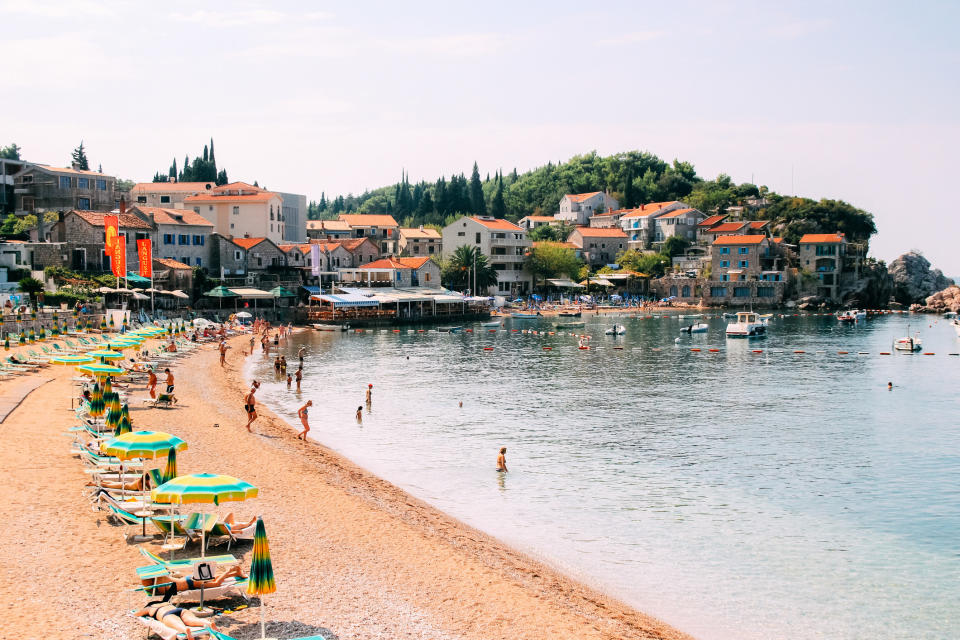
400	273
181	234
577	208
681	223
239	209
598	246
502	242
381	229
825	255
84	238
350	252
170	195
421	242
327	230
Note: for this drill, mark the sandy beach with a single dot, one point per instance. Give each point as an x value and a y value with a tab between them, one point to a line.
354	556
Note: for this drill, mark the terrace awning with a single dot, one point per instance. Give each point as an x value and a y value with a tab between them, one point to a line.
136	278
565	283
347	300
252	294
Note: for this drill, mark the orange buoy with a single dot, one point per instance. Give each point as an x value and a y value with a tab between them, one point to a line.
548	348
469	330
714	350
758	350
799	351
396	330
584	348
488	348
694	349
492	330
843	353
928	353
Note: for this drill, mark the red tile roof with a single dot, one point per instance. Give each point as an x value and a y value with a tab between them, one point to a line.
580	197
238	186
68	170
247	243
420	233
756	239
496	223
169	216
396	263
822	238
171	187
352	244
595	232
776	240
127	220
330	245
328	225
287	248
172	264
262	196
368	220
712	220
677	213
728	227
759	224
645	210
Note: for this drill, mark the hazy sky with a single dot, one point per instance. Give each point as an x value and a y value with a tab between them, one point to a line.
857	101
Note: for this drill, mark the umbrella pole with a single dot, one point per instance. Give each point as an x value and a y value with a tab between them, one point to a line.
263	625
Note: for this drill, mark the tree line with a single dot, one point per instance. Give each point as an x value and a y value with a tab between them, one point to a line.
202	169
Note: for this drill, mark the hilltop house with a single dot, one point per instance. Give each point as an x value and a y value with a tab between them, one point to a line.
529	223
639	223
598	246
39	188
577	208
502	242
681	223
383	230
420	242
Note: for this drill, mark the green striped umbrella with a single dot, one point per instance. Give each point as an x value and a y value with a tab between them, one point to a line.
108	385
170	471
112	400
125	324
101	370
33	313
142	444
54	329
73	359
23	336
6	342
112	323
32	336
19	316
96	401
113	418
103	323
42	335
105	354
261	580
123	425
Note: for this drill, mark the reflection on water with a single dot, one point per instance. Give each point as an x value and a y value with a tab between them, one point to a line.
735	494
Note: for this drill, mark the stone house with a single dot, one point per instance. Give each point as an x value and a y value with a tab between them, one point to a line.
361	250
381	229
181	234
39	188
334	255
328	230
85	238
739	258
577	208
420	242
825	256
262	253
226	257
169	195
681	223
598	246
639	223
171	275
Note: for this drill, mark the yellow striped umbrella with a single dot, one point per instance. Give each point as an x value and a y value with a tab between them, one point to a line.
261	579
72	359
101	370
142	444
105	354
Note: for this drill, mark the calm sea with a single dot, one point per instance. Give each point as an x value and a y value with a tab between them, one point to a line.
733	494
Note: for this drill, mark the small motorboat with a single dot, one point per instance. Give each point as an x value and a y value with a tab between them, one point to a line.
616	330
729	316
492	323
525	316
695	315
699	327
450	329
329	327
747	325
569	325
852	316
908	343
569	314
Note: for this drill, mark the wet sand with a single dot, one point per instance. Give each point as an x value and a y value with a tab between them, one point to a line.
354	556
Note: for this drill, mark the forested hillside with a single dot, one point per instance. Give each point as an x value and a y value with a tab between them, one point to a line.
633	177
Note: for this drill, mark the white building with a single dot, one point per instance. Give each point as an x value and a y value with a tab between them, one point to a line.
502	242
639	223
679	222
576	208
239	209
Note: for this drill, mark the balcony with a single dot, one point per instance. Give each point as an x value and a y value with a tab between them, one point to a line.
509	242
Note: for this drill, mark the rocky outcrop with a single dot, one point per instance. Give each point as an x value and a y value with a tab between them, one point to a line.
872	290
943	301
914	280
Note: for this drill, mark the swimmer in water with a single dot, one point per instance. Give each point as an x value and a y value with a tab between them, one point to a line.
502	460
369	394
889	386
359	415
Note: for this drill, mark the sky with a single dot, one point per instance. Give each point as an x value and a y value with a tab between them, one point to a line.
848	100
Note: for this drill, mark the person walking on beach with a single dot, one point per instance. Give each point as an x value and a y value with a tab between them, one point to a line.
152	383
223	352
250	405
169	380
252	342
299	376
502	460
302	413
359	415
369	394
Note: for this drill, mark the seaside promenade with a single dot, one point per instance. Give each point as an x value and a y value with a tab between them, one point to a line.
354	556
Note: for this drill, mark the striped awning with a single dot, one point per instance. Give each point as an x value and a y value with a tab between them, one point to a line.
347	300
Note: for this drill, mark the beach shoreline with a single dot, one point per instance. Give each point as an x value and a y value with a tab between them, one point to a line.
354	556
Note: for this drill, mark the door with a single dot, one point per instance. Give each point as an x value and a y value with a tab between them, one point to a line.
78	260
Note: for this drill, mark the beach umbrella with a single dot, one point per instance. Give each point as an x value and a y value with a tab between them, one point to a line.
261	580
142	444
33	313
42	335
6	342
170	471
108	385
96	401
125	324
32	335
112	400
113	419
206	488
124	425
23	336
54	329
101	370
112	323
105	354
74	359
103	323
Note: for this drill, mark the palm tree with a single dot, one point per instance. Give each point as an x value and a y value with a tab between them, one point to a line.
467	266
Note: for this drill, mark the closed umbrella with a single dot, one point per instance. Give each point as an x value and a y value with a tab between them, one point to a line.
103	323
96	401
113	419
124	425
261	580
170	471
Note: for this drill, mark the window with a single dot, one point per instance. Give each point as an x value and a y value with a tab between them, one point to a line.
461	233
168	238
741	277
743	251
185	260
426	277
686	291
477	240
83	203
141	199
64	182
231	225
142	235
765	292
741	292
259	261
826	250
236	211
184	239
164	199
744	263
718	292
198	240
101	185
237	255
724	277
83	183
724	263
197	261
724	250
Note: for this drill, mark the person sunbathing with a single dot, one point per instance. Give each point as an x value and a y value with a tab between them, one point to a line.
169	586
231	522
180	620
129	485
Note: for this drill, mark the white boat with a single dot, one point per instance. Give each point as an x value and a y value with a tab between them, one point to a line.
695	315
616	330
747	325
908	344
492	323
700	327
329	327
852	315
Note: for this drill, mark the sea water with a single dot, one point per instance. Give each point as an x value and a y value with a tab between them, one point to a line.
752	492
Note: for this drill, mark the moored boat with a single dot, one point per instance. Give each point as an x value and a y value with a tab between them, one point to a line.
570	325
852	315
525	316
699	327
330	327
569	314
747	325
908	343
492	323
616	330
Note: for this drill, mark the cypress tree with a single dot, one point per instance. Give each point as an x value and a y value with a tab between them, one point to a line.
477	203
497	206
206	154
212	158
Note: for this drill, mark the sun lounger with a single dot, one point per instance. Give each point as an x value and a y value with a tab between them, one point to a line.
157	628
230	586
219	635
221	529
185	565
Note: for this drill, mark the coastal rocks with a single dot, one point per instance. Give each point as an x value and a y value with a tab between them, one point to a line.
943	301
914	280
872	290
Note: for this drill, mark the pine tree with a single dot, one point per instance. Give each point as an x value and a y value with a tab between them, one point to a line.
477	203
498	207
213	160
206	154
323	202
222	178
173	169
100	168
79	157
629	192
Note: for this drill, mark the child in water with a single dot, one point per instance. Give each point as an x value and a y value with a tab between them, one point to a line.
360	415
289	380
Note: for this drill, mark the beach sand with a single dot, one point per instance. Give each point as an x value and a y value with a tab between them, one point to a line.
354	556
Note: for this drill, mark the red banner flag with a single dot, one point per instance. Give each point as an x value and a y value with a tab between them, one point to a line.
118	257
111	229
145	255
